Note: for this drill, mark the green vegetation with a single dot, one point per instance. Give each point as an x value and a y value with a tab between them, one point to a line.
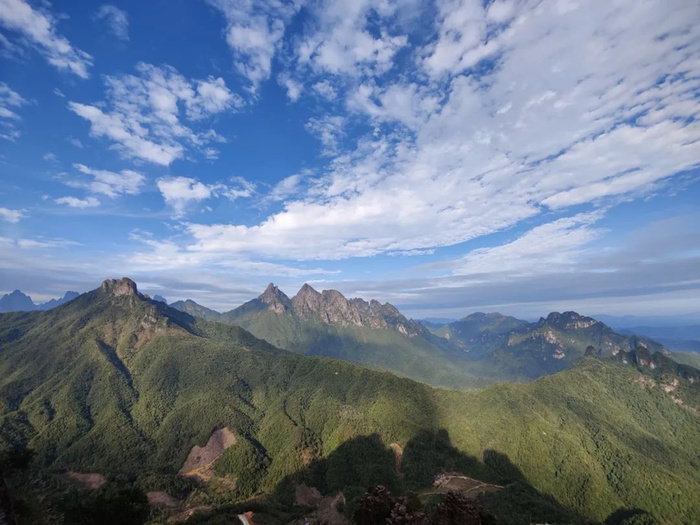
124	386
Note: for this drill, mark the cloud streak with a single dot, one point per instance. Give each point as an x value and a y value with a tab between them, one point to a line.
37	27
116	19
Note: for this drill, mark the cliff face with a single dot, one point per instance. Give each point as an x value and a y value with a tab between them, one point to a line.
330	306
117	287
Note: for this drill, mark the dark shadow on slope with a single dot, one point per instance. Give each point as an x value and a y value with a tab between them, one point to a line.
364	462
630	517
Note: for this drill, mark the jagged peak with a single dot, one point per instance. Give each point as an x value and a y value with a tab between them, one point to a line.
123	286
306	290
272	292
275	298
334	294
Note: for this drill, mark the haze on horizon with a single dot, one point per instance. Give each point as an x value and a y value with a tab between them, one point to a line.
446	156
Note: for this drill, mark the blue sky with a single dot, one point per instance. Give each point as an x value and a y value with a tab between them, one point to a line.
447	156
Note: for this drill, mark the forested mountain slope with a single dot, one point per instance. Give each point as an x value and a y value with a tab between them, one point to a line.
509	348
117	384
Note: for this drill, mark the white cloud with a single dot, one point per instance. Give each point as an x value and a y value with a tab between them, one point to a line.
585	103
329	131
240	188
8	117
117	20
286	188
293	87
12	216
254	32
549	247
112	184
74	202
145	110
344	39
43	243
325	89
180	192
462	41
38	27
75	142
411	105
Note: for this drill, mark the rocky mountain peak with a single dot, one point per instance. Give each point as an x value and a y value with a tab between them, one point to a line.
568	321
275	299
332	307
307	301
16	301
307	291
116	287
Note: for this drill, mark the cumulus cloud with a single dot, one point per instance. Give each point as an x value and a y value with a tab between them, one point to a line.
9	102
351	38
116	19
254	32
293	87
143	113
37	27
12	216
75	202
178	192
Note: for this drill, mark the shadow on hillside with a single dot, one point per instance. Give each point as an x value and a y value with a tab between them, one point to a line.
364	462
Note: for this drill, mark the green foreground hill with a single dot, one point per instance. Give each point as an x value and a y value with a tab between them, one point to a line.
116	384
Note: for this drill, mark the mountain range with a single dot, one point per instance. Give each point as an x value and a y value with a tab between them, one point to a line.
472	352
19	302
119	387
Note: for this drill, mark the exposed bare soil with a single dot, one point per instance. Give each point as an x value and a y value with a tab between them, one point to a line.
200	461
87	480
306	496
162	500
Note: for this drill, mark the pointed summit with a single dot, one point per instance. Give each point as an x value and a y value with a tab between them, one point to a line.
123	286
16	302
275	299
307	301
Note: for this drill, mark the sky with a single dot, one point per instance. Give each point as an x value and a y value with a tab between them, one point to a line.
446	156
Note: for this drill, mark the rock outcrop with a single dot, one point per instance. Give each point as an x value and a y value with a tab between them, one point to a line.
117	287
331	307
276	300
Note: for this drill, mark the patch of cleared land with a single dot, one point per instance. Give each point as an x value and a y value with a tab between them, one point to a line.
466	486
200	461
162	500
87	480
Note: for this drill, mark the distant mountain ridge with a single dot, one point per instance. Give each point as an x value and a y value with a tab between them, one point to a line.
20	302
523	350
475	350
368	332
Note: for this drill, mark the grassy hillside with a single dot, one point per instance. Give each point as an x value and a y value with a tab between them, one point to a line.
123	386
